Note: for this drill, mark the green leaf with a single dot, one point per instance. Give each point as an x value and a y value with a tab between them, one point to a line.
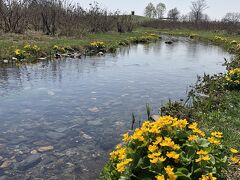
202	142
212	159
183	170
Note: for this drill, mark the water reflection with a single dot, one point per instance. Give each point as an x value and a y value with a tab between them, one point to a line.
80	107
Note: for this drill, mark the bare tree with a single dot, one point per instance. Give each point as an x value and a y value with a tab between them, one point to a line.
197	9
174	14
160	9
233	18
150	11
13	14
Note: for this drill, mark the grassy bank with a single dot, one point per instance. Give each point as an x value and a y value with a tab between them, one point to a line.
10	42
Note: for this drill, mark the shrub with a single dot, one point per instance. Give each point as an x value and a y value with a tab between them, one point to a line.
168	148
233	79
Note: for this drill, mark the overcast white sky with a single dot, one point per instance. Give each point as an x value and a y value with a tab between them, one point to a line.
217	8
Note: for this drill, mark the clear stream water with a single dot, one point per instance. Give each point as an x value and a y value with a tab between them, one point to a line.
81	106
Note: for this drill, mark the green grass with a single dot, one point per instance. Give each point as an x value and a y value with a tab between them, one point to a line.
226	119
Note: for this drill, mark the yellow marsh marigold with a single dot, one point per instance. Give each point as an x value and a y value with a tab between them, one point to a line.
138	135
126	137
160	177
173	155
193	126
155	158
201	152
233	150
192	137
180	123
208	177
235	160
203	158
122	165
118	154
153	155
170	173
158	141
167	142
213	140
152	148
217	134
18	52
195	129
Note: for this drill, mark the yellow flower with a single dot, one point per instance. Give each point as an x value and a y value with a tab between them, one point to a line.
180	123
153	155
154	160
167	142
161	159
233	150
203	158
118	146
158	141
173	155
170	173
201	152
235	160
208	177
193	125
152	148
198	131
217	134
55	47
120	153
122	165
213	140
17	52
126	137
160	177
192	137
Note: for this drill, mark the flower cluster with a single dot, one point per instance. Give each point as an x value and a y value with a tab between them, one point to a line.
167	149
33	49
97	44
27	51
233	79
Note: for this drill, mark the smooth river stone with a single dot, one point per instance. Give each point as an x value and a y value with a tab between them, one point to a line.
29	162
45	148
